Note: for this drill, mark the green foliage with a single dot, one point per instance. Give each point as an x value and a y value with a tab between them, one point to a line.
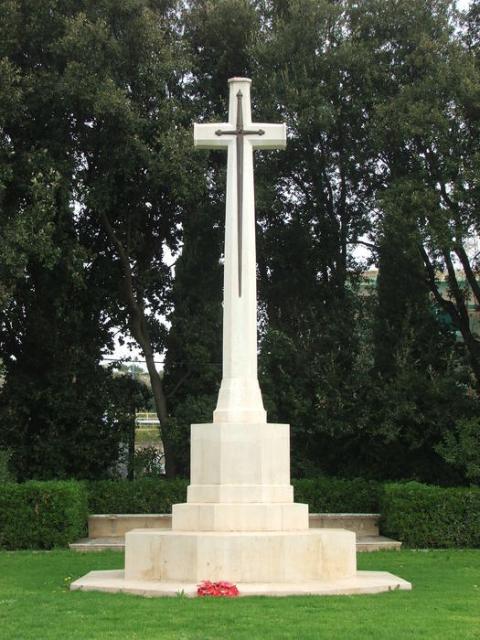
404	418
461	448
147	495
426	129
56	402
312	204
42	515
336	495
5	473
67	421
46	514
96	104
156	496
148	462
404	311
427	516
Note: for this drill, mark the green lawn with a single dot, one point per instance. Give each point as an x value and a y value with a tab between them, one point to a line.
35	604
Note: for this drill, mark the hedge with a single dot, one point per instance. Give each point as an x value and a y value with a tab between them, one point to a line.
424	516
42	515
157	496
335	495
147	495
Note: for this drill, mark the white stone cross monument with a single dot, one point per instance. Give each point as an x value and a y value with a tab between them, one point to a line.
240	523
240	399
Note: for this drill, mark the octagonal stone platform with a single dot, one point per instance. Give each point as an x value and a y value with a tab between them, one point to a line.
254	556
364	582
165	563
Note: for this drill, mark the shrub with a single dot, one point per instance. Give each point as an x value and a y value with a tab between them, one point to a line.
5	474
42	515
146	495
334	495
425	516
149	495
149	462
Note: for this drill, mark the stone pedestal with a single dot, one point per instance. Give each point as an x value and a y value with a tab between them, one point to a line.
240	524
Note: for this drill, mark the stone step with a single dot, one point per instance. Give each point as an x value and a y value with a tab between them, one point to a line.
107	531
117	543
99	544
113	525
363	524
117	525
377	543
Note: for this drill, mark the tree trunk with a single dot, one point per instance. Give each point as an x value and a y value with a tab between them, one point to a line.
131	446
458	312
139	328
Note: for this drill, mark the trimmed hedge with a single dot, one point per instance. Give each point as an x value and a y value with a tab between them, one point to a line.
149	495
424	516
334	495
42	515
146	495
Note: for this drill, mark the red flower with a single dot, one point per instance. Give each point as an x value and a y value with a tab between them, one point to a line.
217	589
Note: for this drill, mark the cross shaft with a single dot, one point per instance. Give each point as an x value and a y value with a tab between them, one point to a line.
240	398
239	132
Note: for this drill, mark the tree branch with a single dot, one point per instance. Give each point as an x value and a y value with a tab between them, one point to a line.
472	281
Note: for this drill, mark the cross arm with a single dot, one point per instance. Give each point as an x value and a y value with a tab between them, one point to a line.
275	136
205	137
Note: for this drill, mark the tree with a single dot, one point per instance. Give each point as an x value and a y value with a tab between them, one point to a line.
194	344
426	117
310	73
55	405
124	86
418	388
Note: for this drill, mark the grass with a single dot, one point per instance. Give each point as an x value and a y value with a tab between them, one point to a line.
35	604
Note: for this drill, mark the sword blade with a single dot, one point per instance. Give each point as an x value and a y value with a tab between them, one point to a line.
239	188
239	208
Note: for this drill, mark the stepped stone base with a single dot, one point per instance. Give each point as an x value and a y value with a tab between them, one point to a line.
89	545
274	516
165	563
377	543
107	531
364	524
111	525
254	556
363	582
240	524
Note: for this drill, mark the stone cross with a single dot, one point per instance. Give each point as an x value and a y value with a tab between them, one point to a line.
240	399
240	522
